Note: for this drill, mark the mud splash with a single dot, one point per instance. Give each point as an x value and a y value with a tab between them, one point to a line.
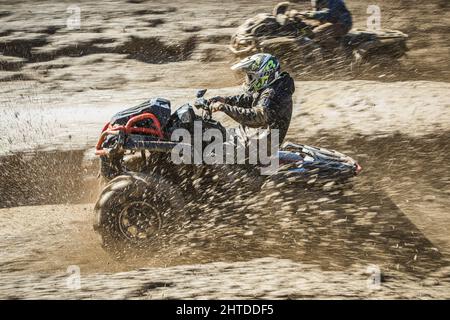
334	229
38	178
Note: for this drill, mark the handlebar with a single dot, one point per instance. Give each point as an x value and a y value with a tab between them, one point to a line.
202	103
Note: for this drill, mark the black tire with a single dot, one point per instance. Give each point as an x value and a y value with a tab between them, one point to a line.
136	210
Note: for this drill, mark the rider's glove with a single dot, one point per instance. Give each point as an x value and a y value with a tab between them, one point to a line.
216	106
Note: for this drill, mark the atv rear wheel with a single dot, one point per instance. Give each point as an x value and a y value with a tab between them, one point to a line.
134	210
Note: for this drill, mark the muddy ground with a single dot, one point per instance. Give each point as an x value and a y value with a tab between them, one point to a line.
59	86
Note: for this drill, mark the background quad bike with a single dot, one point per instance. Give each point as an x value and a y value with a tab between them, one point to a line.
284	37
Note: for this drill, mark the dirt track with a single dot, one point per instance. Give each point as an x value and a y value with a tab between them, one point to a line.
62	85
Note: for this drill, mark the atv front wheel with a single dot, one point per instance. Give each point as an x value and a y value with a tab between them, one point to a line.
135	209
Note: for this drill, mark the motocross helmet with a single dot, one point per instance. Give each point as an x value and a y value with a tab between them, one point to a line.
260	71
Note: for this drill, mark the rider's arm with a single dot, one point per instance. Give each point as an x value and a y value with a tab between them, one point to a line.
255	117
242	101
322	15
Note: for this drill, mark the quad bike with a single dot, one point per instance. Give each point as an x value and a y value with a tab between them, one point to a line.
146	194
291	36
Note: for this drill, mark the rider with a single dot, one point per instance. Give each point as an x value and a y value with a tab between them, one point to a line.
335	18
267	98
